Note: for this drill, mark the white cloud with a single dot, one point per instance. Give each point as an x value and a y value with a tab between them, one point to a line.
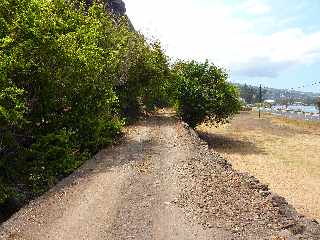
267	56
255	7
261	67
201	30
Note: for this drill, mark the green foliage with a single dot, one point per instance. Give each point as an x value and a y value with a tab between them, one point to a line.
71	75
54	155
12	106
59	101
147	72
203	93
249	94
5	193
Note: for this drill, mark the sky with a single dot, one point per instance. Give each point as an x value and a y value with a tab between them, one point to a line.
275	43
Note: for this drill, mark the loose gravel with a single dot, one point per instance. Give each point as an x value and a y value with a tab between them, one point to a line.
161	182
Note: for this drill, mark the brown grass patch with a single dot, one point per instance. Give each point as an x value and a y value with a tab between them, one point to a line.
283	153
312	126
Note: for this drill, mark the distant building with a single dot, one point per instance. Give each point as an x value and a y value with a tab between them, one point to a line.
298	103
270	101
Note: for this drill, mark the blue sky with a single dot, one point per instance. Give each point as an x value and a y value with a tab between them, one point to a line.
275	43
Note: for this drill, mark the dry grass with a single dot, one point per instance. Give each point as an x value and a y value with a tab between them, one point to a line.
283	153
312	126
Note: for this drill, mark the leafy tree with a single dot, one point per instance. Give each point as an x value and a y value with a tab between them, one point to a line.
72	74
147	74
203	93
64	73
249	94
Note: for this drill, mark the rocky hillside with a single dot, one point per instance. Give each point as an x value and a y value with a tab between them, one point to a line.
117	7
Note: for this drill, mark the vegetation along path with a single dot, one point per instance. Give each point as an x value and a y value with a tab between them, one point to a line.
160	182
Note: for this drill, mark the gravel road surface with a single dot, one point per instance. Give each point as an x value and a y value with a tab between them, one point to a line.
161	182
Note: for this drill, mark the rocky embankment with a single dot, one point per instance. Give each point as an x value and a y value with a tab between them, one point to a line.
218	196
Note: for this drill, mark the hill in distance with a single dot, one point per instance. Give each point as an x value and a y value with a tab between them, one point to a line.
251	94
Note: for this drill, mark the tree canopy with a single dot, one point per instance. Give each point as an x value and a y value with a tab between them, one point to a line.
71	77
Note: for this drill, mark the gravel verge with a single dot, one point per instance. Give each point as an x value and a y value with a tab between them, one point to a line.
215	195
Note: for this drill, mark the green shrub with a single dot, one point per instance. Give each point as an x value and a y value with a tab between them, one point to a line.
54	156
70	75
147	75
58	100
202	93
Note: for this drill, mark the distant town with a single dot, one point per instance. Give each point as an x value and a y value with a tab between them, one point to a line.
250	95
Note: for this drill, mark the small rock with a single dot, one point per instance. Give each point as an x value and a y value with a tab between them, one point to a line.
210	225
264	193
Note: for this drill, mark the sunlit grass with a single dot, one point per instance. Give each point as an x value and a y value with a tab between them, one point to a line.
284	153
311	125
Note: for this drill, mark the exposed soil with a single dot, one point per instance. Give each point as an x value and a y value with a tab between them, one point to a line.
161	182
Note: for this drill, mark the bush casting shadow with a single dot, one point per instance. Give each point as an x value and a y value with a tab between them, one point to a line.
225	144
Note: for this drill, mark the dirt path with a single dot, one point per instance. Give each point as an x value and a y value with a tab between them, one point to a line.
159	183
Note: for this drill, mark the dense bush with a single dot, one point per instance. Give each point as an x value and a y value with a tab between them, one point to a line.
72	75
202	93
69	74
147	72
